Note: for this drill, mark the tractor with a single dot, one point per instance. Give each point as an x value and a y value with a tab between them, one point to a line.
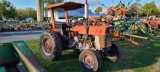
89	40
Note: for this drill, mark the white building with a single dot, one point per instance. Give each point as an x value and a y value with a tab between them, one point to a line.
60	16
29	19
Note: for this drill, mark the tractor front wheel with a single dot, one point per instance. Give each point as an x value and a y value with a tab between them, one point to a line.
114	52
50	46
90	60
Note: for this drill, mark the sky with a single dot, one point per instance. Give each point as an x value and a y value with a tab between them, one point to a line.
93	4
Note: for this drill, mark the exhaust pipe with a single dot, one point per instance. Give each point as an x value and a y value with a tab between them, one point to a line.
86	17
86	10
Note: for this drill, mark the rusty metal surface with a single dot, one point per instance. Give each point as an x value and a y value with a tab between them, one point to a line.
89	61
111	8
48	46
121	12
80	29
105	41
52	18
133	42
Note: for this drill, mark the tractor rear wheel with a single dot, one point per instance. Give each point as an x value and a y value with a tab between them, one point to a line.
50	46
90	60
114	52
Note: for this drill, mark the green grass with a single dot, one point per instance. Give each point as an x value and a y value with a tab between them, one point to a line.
133	58
1	21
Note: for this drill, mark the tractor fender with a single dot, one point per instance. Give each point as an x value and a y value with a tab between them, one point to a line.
57	32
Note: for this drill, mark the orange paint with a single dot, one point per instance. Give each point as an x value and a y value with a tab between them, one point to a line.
121	12
133	42
80	29
93	30
117	34
111	8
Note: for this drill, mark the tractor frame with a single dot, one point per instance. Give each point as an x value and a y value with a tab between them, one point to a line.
89	40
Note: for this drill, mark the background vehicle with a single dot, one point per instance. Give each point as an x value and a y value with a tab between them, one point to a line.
8	27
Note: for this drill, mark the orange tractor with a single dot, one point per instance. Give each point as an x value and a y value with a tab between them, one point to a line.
89	40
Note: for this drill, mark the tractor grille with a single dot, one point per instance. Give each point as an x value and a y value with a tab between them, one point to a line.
105	41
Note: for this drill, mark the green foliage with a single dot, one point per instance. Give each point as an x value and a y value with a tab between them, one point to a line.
7	10
121	5
52	1
46	2
98	10
31	13
158	10
134	8
149	9
22	14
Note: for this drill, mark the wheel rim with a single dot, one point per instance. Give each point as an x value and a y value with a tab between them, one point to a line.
88	61
47	46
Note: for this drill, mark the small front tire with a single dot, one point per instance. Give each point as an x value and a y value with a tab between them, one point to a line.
90	60
113	53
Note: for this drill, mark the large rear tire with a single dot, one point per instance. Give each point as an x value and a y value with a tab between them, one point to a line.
90	60
50	46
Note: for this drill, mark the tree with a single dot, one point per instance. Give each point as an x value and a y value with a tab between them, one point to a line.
98	10
134	8
7	10
30	12
52	1
22	14
158	10
149	9
121	5
46	2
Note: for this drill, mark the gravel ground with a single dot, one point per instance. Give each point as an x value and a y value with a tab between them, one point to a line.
19	35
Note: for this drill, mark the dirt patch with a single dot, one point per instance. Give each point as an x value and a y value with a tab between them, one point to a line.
156	67
128	70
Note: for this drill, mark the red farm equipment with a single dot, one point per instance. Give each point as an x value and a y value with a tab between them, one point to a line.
122	27
89	40
155	24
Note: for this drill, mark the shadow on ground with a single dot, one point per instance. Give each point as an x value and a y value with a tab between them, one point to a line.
135	58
